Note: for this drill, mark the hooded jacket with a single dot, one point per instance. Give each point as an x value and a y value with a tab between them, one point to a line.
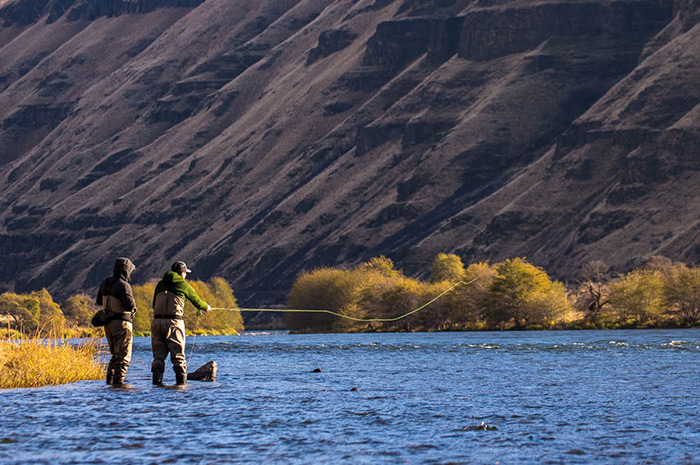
117	286
175	283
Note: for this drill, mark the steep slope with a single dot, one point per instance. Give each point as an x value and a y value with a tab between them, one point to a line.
256	139
621	183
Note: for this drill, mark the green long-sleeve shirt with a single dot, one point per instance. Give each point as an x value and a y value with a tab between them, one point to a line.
175	283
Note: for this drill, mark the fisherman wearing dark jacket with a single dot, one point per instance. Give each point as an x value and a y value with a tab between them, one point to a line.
168	326
116	296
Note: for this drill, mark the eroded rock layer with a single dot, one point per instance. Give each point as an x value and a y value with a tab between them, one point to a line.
258	139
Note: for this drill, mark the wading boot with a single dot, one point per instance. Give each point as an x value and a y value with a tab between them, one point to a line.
110	377
157	379
118	380
181	378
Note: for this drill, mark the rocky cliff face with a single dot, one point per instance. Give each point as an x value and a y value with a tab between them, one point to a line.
257	139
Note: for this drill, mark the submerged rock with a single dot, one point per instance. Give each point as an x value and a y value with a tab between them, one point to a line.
482	427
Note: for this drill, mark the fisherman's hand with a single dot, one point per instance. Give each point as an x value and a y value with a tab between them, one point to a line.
208	308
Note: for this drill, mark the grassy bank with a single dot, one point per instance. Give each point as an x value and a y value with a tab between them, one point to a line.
28	362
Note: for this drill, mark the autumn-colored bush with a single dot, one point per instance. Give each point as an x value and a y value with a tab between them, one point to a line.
636	298
33	313
522	296
218	294
682	294
143	296
79	309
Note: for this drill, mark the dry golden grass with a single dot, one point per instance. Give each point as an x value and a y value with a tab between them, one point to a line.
26	362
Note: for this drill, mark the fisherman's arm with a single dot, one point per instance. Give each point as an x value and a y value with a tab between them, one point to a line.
195	299
128	300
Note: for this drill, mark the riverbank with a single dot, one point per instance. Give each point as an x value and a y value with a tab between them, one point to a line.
28	362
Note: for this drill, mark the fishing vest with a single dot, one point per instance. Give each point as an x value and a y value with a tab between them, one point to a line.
114	310
169	305
113	304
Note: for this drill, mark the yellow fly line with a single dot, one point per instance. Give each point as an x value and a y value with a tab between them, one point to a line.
366	320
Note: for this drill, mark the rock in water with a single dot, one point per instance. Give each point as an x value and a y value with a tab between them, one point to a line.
206	372
482	427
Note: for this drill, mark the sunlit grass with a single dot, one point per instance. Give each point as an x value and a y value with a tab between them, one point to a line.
34	362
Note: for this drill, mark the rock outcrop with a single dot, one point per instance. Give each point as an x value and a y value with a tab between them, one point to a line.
206	372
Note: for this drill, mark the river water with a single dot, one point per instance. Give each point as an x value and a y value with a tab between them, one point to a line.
559	397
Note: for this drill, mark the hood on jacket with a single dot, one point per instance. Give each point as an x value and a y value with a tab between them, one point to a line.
123	267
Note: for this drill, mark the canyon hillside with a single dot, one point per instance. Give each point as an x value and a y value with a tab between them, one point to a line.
256	139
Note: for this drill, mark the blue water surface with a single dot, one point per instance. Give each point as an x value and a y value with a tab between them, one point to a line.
553	397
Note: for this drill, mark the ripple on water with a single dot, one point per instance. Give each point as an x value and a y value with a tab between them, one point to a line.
569	396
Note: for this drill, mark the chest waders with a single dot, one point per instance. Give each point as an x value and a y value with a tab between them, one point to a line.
168	336
119	334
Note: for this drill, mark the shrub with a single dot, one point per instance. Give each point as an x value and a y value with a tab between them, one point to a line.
637	297
681	293
23	310
79	310
143	295
218	294
523	295
592	294
465	305
446	267
322	289
382	265
33	313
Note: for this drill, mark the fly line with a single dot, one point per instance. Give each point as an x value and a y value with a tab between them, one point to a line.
349	317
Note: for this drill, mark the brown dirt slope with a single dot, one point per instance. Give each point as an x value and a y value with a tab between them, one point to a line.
258	139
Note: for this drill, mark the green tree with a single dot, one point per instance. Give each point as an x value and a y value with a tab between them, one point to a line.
23	309
446	267
79	309
517	293
637	297
322	289
382	265
218	294
51	319
466	303
681	291
143	296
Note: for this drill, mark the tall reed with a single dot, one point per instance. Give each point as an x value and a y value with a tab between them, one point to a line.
34	362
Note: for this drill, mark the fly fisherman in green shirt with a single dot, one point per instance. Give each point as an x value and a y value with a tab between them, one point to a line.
168	325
